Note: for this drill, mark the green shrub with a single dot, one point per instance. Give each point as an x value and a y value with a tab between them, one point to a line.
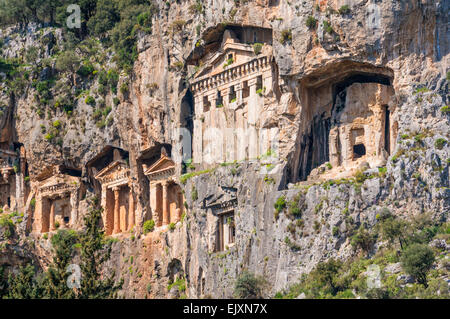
360	177
8	226
90	100
421	90
363	239
286	36
440	143
311	22
172	226
335	231
417	261
257	48
345	9
57	124
86	69
124	88
149	226
49	136
248	286
445	109
327	27
280	204
393	229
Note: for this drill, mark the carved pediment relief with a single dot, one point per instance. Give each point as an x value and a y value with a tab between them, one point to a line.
221	201
116	173
59	184
7	159
164	167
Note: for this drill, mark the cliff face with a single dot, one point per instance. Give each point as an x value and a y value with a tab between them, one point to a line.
327	67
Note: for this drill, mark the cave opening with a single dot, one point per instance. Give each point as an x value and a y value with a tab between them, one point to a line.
359	150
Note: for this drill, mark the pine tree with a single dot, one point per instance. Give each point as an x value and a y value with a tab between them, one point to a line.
94	253
24	285
55	282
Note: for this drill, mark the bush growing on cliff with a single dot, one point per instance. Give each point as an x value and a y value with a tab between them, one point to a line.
149	226
417	260
345	9
286	36
248	286
311	22
257	48
24	285
363	239
440	143
8	226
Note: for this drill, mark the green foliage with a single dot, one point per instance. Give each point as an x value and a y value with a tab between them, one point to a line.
345	9
248	286
90	100
55	281
180	283
149	226
440	143
327	27
360	177
421	90
171	226
8	226
286	36
280	204
257	48
445	109
57	124
363	239
185	177
394	229
311	22
417	260
67	61
94	253
24	284
86	69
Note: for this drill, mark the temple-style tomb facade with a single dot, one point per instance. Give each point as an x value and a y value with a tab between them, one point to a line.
166	197
8	165
58	194
229	95
117	197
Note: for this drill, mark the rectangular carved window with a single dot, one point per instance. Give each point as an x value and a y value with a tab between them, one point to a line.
226	231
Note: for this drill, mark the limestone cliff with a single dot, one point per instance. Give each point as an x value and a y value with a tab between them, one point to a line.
344	108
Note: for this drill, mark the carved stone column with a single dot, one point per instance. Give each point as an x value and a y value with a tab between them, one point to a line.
165	208
52	216
131	214
116	210
238	89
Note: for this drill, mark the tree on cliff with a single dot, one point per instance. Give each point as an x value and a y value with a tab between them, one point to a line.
94	253
24	285
55	281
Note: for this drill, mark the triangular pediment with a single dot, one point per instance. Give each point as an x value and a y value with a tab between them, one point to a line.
114	169
161	165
